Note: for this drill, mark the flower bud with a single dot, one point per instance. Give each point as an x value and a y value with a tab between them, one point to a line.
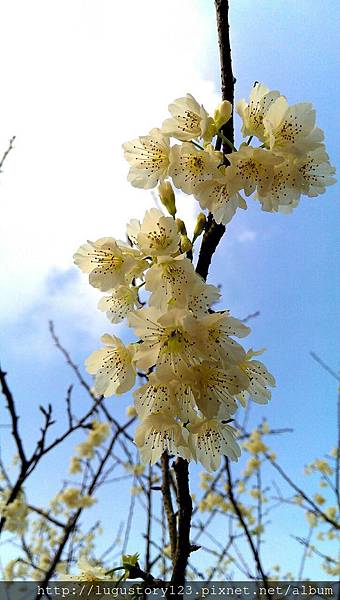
181	226
131	411
167	197
222	113
186	244
200	225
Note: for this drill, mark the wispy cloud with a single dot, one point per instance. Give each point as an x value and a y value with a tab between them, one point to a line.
91	76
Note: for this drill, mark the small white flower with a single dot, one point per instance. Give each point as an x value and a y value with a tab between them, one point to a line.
122	300
168	338
283	190
157	433
158	235
113	367
189	120
170	281
156	397
107	263
314	172
215	388
253	113
148	157
87	572
189	166
251	168
209	439
218	345
216	196
201	296
292	128
260	380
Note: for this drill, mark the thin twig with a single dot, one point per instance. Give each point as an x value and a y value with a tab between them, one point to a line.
6	153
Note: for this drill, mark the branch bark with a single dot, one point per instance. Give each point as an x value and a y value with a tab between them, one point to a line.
214	231
211	239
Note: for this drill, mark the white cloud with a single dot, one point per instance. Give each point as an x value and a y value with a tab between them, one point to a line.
246	235
79	79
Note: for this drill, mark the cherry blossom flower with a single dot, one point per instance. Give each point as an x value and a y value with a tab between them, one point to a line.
113	367
292	128
122	300
216	196
157	433
209	439
169	281
168	338
251	168
260	380
189	166
252	114
189	120
107	263
158	235
148	157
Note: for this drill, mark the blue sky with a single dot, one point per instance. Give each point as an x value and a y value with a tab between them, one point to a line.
87	79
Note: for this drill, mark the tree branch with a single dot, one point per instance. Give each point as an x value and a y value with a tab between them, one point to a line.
167	500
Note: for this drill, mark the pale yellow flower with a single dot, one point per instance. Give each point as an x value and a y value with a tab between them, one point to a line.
216	343
168	338
283	191
158	235
292	128
107	263
157	433
260	381
253	113
189	120
87	571
314	172
216	196
189	166
251	168
75	465
73	498
169	281
214	388
122	300
156	396
209	439
148	157
113	367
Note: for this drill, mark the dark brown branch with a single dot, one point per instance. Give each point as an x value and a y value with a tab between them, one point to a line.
183	548
315	507
214	231
243	523
149	520
14	418
211	239
6	153
167	500
74	519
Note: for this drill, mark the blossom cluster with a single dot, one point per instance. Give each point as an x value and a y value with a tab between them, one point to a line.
289	159
195	373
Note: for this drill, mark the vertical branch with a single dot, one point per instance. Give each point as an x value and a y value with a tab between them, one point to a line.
167	501
214	231
243	523
227	77
183	548
6	153
149	521
211	239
